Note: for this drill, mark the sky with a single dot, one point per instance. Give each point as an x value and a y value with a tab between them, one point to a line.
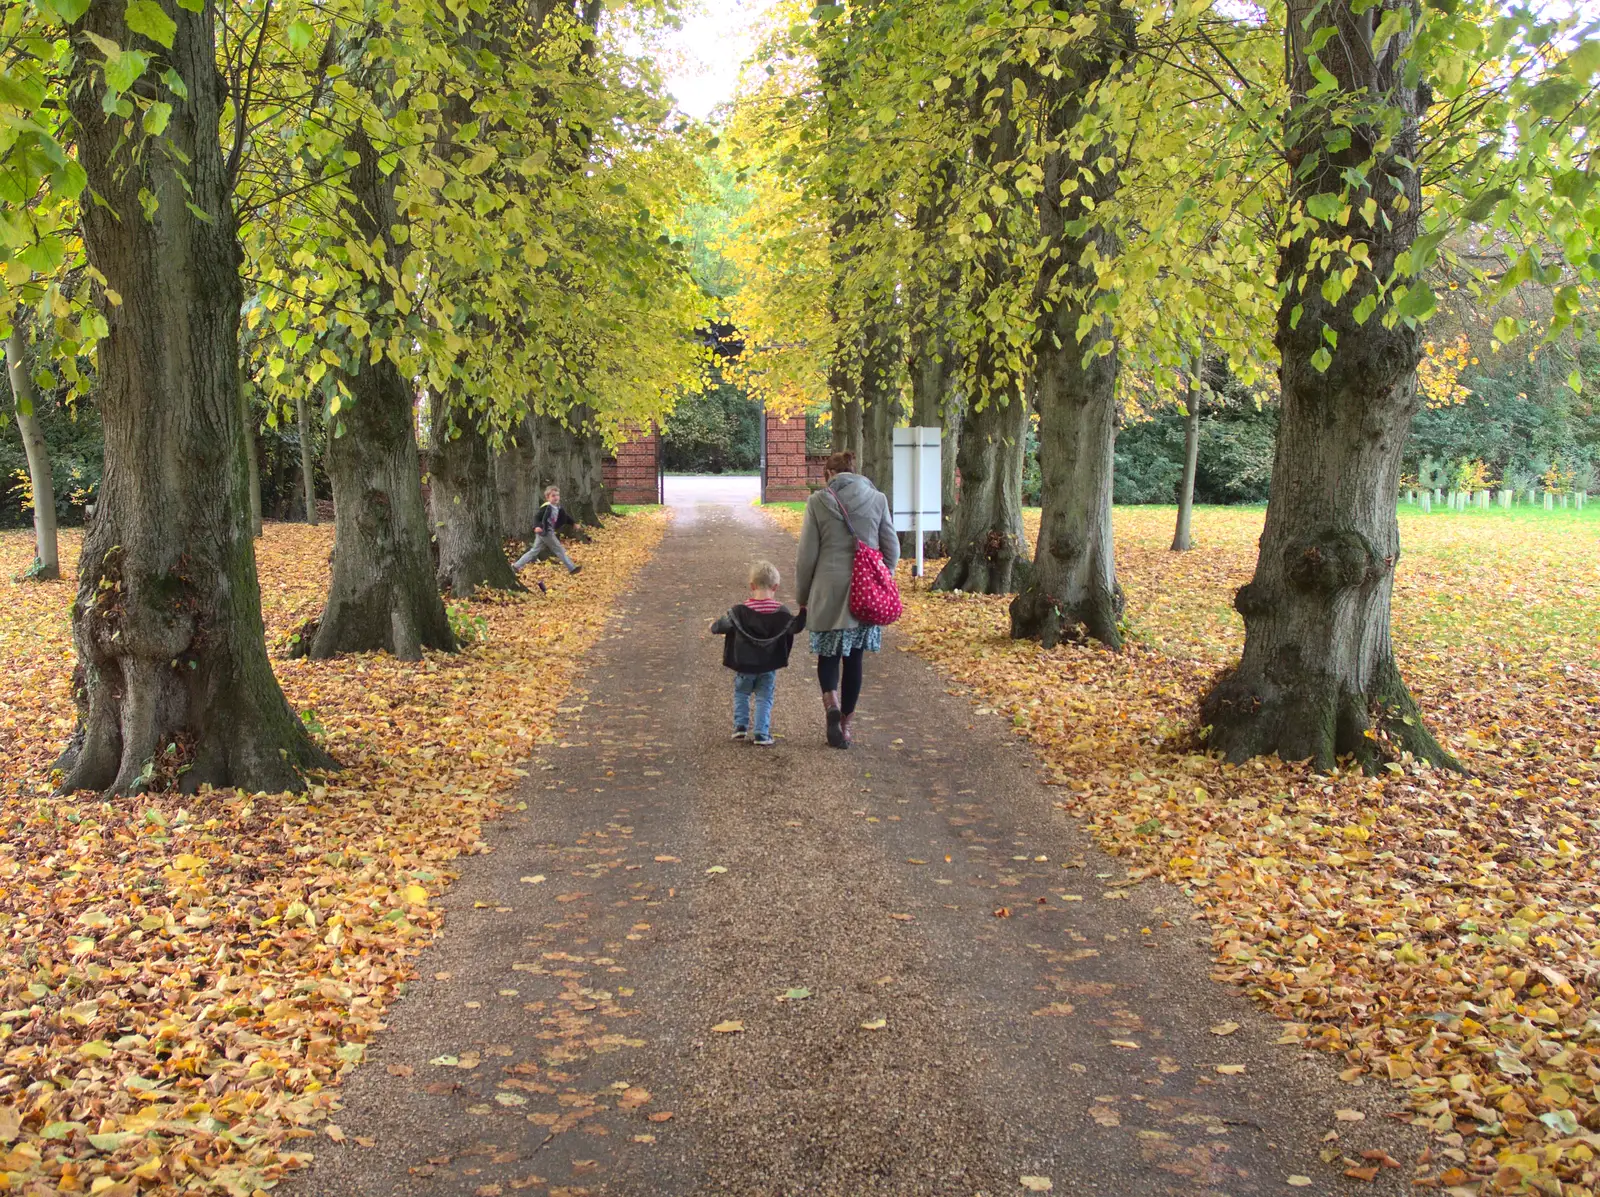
701	61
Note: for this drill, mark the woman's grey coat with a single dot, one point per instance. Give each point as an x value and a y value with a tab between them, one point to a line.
828	551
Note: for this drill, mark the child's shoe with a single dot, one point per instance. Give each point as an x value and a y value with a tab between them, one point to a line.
740	733
760	741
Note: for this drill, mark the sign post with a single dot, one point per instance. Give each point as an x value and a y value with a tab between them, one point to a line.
918	498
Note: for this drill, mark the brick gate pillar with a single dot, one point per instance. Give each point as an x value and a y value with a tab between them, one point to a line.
633	474
784	478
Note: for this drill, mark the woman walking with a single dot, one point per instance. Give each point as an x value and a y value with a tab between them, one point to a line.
822	583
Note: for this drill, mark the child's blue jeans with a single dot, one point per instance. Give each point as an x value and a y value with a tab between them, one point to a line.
762	687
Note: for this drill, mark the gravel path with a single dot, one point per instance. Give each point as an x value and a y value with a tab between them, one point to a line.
697	967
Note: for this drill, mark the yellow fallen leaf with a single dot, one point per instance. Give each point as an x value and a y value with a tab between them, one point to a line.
1225	1028
1349	1115
1230	1069
1128	1044
536	879
415	894
731	1026
874	1024
1037	1184
1300	1182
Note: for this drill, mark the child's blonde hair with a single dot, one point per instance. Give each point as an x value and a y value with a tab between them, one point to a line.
551	489
764	576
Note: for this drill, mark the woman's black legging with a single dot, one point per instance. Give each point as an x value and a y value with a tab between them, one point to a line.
828	669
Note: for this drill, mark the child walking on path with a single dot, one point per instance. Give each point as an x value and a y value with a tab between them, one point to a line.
547	525
759	636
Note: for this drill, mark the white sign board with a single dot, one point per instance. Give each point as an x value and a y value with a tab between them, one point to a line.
918	493
917	488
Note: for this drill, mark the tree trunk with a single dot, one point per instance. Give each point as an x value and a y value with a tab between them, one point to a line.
46	556
988	548
571	458
1181	541
308	467
934	405
382	595
252	457
173	685
465	509
1073	594
845	414
1317	679
516	481
880	406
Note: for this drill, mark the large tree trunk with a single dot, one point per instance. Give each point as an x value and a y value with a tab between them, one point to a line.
1317	678
880	406
516	481
174	686
934	404
308	466
252	457
1181	539
1073	594
382	595
845	414
985	539
465	508
25	403
571	453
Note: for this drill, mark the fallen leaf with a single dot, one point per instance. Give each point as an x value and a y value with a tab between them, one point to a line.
1230	1069
1224	1028
874	1024
1299	1181
1349	1116
536	879
730	1027
1037	1184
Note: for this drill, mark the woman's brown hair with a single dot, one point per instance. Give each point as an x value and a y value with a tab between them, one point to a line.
842	463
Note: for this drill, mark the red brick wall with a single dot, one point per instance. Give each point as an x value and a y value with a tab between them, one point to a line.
785	479
631	475
816	468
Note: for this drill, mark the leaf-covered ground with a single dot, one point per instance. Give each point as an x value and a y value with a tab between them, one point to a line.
183	980
1437	931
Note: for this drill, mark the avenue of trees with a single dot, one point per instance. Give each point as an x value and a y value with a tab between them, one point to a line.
989	216
334	227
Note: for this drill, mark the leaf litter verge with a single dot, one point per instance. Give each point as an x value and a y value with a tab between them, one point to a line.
185	980
1436	932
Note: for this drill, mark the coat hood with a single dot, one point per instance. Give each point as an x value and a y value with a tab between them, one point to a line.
852	489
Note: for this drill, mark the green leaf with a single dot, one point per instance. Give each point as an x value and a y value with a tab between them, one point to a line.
68	12
1575	381
148	17
1506	329
1418	303
300	32
156	117
123	71
113	1140
1484	203
1321	360
1325	206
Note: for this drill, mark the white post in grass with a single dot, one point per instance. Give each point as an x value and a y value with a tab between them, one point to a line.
1427	501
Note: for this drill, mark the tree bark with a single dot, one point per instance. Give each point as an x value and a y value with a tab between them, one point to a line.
252	457
382	596
934	404
173	684
1317	679
571	454
465	508
25	403
1181	540
988	548
880	406
845	414
1073	593
308	466
516	481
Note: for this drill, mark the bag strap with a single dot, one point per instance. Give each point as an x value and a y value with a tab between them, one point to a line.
844	514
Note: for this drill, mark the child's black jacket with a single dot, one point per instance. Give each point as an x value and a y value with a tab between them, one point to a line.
543	523
757	642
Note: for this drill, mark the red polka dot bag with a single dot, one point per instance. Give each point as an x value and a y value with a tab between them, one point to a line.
874	597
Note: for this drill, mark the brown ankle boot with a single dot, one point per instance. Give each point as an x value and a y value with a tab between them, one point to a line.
830	705
844	728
